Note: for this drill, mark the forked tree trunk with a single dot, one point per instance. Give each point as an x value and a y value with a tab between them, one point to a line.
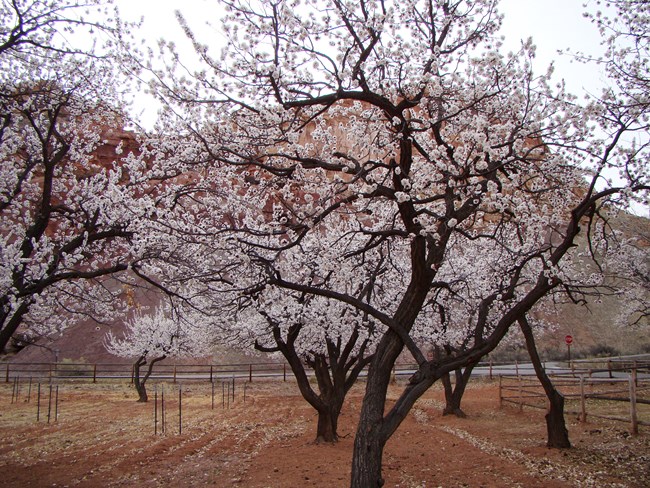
140	382
454	394
557	433
333	387
335	371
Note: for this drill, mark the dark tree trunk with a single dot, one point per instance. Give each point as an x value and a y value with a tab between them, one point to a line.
371	436
557	433
140	382
367	457
454	395
10	326
327	429
335	372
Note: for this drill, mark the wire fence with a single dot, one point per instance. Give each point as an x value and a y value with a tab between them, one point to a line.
615	389
125	371
603	367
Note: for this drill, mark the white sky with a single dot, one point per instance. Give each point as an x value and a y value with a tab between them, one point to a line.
553	25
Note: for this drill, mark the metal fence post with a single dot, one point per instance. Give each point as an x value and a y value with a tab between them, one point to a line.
180	409
634	427
583	408
609	367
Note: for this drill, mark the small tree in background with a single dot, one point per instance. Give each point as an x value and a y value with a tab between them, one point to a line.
152	337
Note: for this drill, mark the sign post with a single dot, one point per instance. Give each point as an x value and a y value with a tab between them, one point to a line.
568	339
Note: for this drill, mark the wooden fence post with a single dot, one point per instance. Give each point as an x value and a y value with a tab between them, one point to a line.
7	375
211	379
284	371
634	427
162	409
490	368
250	373
500	392
609	367
516	367
56	405
174	374
94	373
49	405
14	391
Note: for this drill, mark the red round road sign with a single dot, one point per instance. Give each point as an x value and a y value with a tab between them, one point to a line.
568	339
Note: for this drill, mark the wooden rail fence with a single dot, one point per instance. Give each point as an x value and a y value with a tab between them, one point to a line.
595	397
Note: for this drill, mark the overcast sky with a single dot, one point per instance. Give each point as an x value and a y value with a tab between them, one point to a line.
553	25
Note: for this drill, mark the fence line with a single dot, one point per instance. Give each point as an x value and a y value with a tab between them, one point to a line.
212	372
523	391
174	372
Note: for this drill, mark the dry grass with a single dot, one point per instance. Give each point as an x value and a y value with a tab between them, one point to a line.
104	438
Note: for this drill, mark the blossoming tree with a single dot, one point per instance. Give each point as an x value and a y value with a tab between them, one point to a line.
60	232
332	338
400	129
152	337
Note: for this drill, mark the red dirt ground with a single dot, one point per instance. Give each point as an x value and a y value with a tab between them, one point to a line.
103	438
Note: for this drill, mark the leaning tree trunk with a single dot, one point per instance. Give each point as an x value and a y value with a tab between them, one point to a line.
557	433
140	383
370	437
454	395
10	325
368	453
